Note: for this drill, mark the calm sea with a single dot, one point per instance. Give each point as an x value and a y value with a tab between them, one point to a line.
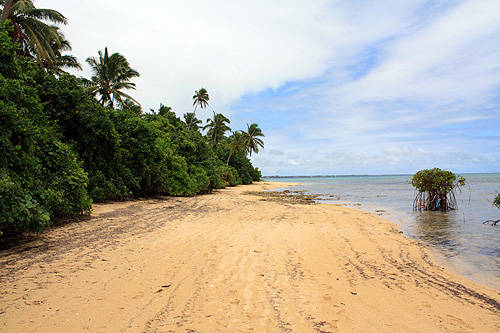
459	238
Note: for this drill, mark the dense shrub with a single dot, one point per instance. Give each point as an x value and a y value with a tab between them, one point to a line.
19	210
40	175
193	147
244	171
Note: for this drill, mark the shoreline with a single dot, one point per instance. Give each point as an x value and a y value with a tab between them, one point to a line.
231	261
459	264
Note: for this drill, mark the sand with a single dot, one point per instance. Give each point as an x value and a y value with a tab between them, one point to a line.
234	262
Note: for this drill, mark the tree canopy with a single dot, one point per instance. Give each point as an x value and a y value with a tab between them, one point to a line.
111	74
237	144
62	148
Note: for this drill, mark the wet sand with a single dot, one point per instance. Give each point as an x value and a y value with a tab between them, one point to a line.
234	261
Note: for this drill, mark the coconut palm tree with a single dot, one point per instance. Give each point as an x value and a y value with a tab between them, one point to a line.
217	128
200	98
190	118
236	144
61	61
252	140
30	32
163	110
111	74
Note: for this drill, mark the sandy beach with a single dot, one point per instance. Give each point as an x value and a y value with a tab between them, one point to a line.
234	262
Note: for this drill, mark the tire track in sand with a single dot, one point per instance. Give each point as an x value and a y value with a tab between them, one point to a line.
232	263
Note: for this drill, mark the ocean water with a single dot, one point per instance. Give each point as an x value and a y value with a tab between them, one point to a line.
458	238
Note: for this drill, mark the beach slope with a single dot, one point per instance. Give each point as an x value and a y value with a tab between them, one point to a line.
234	261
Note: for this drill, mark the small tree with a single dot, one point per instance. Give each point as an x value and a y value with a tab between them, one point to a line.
436	189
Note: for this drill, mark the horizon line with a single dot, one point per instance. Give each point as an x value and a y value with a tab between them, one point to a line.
367	175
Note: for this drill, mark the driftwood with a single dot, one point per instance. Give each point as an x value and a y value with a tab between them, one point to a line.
493	222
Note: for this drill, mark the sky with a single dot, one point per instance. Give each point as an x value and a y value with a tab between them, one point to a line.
338	87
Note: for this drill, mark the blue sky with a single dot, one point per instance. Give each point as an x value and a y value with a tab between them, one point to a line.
338	87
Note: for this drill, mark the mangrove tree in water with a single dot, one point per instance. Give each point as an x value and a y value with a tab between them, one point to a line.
436	189
496	202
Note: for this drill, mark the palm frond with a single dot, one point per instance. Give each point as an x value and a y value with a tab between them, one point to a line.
39	46
22	6
49	15
68	61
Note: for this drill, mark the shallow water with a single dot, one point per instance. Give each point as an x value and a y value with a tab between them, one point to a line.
460	237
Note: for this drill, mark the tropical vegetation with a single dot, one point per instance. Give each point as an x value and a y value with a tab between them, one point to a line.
436	189
67	142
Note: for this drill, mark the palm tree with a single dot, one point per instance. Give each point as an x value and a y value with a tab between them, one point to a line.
190	118
60	60
200	98
163	110
217	128
111	74
252	140
236	144
30	32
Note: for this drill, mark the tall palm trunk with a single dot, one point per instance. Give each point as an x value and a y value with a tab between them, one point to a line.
192	118
230	153
6	10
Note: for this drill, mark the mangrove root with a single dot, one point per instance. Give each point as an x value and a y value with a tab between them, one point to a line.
493	222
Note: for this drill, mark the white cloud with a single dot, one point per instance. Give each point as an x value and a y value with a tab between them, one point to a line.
349	85
228	47
431	84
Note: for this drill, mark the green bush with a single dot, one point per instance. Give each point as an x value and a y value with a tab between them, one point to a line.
19	210
40	177
39	173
